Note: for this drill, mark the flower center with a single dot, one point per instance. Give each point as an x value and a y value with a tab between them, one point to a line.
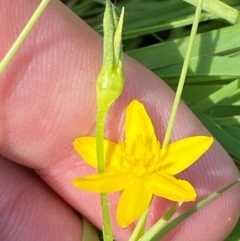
142	158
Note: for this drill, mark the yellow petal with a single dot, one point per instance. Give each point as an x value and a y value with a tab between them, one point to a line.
104	182
86	148
181	154
138	128
167	186
133	202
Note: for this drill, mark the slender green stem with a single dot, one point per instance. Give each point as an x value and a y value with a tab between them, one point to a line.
101	117
139	229
30	24
161	223
183	74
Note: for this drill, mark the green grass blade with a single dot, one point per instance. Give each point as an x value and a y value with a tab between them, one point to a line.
206	66
220	9
226	140
217	96
89	231
234	235
226	121
219	111
234	131
22	36
214	42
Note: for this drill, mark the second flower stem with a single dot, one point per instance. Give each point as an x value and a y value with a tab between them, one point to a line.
183	75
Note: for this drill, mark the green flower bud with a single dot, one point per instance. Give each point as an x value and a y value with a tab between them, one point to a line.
110	80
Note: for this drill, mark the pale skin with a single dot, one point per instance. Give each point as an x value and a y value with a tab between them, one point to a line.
47	97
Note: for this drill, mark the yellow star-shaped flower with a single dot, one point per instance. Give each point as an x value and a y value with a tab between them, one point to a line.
139	166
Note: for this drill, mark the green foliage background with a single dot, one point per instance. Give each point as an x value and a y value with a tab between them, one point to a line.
156	34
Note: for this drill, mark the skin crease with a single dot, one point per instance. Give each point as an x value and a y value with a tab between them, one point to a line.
47	98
